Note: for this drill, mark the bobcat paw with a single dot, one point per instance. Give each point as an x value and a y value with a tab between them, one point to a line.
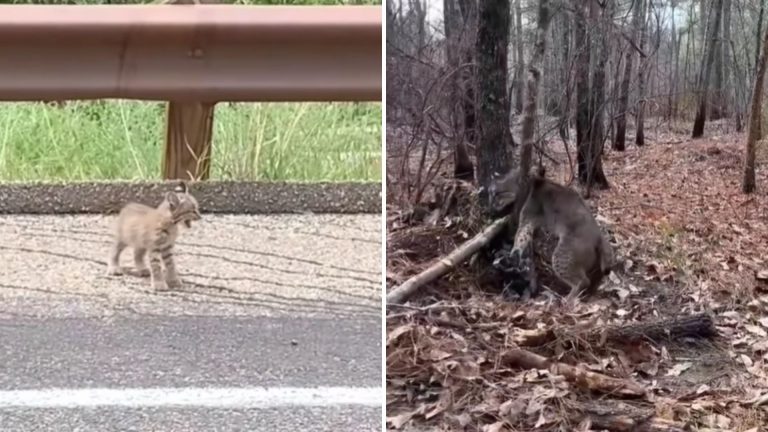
159	286
114	271
519	261
143	273
175	284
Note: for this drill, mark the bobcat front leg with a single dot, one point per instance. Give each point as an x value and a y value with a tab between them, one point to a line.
171	275
520	264
156	272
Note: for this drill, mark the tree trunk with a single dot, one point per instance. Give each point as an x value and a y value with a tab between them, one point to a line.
595	175
520	59
462	165
565	108
621	117
755	116
701	113
759	35
676	40
642	71
581	69
532	88
493	104
725	43
716	107
468	10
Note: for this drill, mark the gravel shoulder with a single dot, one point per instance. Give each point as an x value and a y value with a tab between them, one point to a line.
232	265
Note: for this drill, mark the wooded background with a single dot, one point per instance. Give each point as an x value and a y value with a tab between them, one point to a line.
456	68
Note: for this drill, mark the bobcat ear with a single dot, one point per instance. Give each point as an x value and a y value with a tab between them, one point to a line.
181	187
173	199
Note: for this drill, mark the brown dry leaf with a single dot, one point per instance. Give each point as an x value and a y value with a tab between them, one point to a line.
717	420
437	354
397	332
760	347
679	368
759	331
441	405
495	427
512	409
400	420
745	360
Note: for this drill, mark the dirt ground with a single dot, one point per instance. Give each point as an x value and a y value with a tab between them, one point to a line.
691	248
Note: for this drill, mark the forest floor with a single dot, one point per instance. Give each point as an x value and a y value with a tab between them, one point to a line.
690	244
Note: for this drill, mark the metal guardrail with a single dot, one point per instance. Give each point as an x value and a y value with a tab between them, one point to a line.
201	53
192	56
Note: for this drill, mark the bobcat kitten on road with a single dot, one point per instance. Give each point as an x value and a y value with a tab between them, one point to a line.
583	256
153	230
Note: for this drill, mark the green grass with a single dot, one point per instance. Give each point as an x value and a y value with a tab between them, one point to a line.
123	140
244	2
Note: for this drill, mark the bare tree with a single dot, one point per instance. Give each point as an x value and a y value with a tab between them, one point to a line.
642	71
468	9
589	135
759	34
621	117
706	70
520	66
532	88
755	116
493	102
462	164
676	39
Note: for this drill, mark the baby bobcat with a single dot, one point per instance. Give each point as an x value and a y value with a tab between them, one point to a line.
582	256
153	230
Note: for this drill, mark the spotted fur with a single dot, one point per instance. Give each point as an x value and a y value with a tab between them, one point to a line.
153	231
583	256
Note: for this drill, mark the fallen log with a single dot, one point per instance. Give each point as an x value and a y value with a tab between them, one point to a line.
625	423
582	378
696	326
448	263
617	416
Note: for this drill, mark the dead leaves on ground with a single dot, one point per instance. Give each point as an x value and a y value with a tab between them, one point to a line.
689	240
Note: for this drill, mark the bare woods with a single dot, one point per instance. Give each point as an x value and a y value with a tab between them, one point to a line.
456	81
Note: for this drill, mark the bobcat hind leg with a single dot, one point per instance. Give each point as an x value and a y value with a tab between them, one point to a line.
566	266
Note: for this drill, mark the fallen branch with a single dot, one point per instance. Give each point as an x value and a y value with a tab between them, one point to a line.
444	265
698	326
582	378
617	416
623	423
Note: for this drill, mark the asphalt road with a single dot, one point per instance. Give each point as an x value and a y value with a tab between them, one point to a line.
270	302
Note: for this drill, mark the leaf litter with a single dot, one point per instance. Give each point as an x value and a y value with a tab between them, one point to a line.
688	242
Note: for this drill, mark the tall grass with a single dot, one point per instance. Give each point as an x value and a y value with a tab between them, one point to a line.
110	140
123	140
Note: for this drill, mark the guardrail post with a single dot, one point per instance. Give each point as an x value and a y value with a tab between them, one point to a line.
189	132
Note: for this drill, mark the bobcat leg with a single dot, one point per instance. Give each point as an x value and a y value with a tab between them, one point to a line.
565	265
171	275
520	263
141	266
113	266
156	273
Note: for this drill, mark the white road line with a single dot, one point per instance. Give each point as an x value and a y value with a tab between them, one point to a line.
235	397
